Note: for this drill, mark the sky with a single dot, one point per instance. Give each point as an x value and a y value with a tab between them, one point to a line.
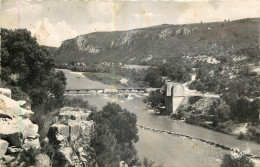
53	21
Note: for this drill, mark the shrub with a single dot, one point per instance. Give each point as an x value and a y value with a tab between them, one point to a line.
194	99
240	161
242	136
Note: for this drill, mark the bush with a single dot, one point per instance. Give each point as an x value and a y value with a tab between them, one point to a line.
240	161
194	99
78	103
242	136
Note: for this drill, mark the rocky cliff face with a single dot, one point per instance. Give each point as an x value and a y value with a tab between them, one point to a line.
70	136
17	133
154	44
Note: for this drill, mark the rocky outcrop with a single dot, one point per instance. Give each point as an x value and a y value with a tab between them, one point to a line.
70	135
151	45
17	132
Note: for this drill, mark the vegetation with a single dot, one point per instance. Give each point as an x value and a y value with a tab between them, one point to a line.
175	69
162	42
240	161
134	78
115	133
28	66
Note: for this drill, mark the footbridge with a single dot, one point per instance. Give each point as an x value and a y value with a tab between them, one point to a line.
116	90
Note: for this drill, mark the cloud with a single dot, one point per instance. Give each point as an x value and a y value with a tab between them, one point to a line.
222	10
144	14
102	11
26	9
52	34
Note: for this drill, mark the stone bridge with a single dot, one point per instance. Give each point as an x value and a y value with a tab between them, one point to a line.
116	90
175	94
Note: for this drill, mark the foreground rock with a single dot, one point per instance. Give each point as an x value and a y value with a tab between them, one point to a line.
17	132
70	137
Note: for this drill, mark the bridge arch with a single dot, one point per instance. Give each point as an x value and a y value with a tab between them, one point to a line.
178	90
175	94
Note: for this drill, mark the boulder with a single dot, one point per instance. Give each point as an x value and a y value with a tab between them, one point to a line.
8	126
123	164
28	128
6	92
31	144
42	160
4	114
7	159
10	106
3	147
26	113
13	150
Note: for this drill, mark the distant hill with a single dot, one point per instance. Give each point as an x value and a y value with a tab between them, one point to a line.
52	50
156	44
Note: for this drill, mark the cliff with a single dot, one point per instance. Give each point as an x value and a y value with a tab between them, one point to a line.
70	135
18	135
153	45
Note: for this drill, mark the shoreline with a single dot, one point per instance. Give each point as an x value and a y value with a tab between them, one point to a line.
215	144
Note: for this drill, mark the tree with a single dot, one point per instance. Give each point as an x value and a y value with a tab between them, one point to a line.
156	99
153	77
147	163
27	65
58	84
241	161
176	69
114	136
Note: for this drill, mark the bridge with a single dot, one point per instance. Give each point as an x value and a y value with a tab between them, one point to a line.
176	93
106	91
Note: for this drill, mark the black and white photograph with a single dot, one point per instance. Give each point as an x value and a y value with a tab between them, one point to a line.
130	83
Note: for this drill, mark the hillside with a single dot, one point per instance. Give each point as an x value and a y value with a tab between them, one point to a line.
156	44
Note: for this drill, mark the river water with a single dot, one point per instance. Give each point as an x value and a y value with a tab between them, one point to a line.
172	151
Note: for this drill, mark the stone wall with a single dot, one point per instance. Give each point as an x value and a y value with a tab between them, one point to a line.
70	136
17	132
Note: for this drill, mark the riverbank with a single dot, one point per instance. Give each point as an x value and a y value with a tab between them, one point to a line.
242	131
202	140
161	147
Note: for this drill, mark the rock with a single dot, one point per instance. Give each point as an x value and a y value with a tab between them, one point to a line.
42	160
13	149
7	159
70	136
3	147
28	128
16	129
67	154
8	126
123	164
31	144
74	130
26	113
4	114
6	92
10	106
61	129
87	128
13	139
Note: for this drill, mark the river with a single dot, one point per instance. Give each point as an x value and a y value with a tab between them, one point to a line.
172	151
